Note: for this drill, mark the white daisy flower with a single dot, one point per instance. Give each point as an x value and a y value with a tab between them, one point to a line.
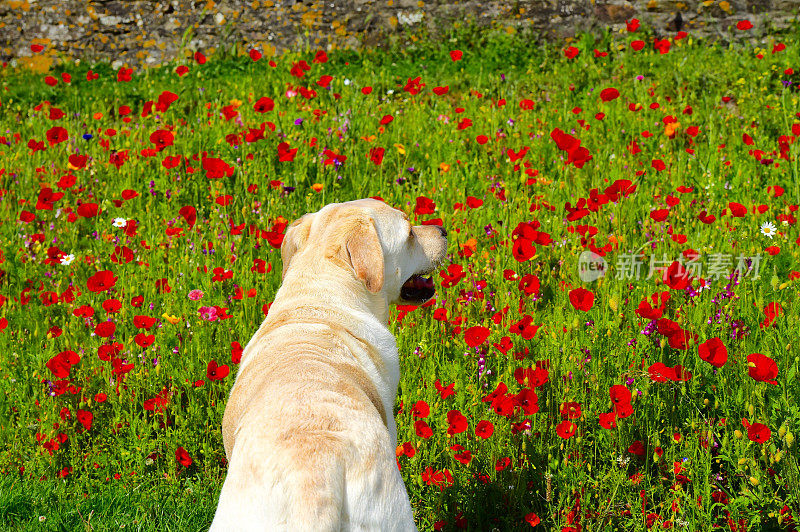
768	229
120	222
66	260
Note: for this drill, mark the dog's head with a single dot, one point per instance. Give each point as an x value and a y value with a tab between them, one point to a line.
375	242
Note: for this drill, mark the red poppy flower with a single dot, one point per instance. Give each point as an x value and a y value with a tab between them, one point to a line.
632	25
162	138
444	391
714	352
457	423
216	168
619	394
623	410
77	161
105	329
571	52
439	91
376	155
224	200
320	57
424	206
533	377
183	457
47	198
61	364
637	45
659	215
571	410
676	276
200	58
737	209
529	284
484	429
527	400
264	105
680	339
215	372
475	336
189	213
236	352
532	519
566	429
564	141
165	100
608	420
88	210
299	69
659	165
56	135
112	306
422	429
500	390
143	322
762	368
144	340
771	313
744	25
420	409
609	94
162	285
759	433
123	74
456	55
776	190
581	299
523	250
84	418
414	86
101	281
579	156
324	80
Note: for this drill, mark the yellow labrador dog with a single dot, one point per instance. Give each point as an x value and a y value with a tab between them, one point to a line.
309	429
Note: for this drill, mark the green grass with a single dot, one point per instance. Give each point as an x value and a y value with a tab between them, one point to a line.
124	470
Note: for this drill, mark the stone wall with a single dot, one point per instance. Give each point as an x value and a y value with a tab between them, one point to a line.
144	32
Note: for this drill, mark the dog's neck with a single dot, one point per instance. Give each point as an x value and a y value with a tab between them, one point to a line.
297	288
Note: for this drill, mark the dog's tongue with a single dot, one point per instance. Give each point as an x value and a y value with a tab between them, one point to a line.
418	289
418	282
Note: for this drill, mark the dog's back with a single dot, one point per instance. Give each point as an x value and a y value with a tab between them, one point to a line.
312	450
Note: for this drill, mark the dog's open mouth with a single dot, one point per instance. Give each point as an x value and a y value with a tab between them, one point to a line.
417	289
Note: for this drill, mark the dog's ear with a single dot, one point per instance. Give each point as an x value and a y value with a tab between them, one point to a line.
294	240
365	254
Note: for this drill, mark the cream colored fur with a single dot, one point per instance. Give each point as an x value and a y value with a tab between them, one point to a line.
309	430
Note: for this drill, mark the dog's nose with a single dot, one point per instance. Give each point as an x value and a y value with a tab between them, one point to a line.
443	230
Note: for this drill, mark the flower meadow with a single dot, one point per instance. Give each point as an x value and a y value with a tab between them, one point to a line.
613	342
